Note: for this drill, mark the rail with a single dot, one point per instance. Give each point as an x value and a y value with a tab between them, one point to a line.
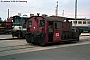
10	38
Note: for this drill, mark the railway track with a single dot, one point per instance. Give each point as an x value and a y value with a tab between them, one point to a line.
17	47
10	38
11	45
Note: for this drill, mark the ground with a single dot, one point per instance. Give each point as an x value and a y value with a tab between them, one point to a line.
19	49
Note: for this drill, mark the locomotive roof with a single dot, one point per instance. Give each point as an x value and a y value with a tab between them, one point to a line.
77	19
19	17
55	18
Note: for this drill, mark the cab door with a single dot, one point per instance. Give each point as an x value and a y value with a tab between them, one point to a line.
57	31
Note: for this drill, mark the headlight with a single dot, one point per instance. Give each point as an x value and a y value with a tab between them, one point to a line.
19	27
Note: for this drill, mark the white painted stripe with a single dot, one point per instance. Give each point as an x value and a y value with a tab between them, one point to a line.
23	28
85	34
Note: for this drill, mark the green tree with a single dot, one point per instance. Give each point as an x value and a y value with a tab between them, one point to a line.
0	19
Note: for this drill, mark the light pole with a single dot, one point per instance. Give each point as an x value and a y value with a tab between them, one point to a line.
63	13
75	13
57	9
8	13
75	9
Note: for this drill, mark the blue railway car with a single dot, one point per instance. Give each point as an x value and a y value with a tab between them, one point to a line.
19	26
82	23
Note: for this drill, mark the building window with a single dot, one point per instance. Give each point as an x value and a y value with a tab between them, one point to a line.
79	22
75	22
84	22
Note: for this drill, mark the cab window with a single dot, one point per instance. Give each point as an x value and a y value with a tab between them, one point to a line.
29	23
57	25
16	24
42	23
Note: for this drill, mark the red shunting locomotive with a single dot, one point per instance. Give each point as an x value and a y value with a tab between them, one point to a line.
43	30
6	27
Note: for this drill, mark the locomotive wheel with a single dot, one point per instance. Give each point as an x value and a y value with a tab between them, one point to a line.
12	35
28	41
19	34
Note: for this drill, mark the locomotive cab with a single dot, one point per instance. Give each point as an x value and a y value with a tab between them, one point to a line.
54	31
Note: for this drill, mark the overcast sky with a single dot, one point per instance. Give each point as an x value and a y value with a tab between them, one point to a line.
46	7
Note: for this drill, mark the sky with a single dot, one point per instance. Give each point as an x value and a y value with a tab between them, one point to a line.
45	7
